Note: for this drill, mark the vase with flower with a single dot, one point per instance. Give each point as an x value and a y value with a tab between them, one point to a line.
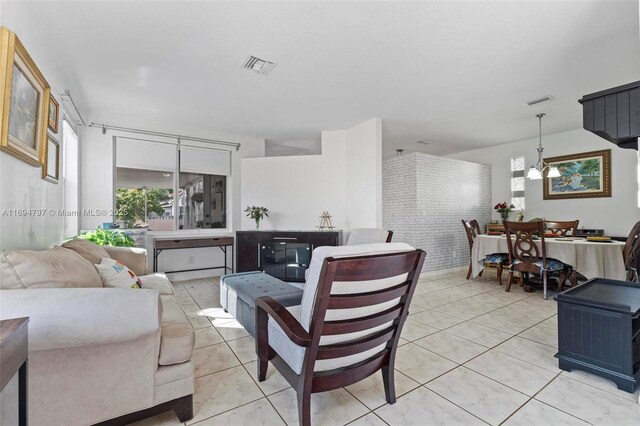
257	214
504	209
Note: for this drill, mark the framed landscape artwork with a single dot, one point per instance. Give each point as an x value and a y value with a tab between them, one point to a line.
584	175
54	112
24	102
51	166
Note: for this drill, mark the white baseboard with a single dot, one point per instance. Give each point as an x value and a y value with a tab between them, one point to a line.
431	274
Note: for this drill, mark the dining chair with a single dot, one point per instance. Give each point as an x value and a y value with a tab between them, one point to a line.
562	227
631	254
472	228
348	325
525	256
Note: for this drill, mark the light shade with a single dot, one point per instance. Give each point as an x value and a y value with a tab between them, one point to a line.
553	172
534	173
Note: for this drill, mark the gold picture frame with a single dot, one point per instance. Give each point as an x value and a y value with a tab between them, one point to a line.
583	175
51	165
24	102
54	114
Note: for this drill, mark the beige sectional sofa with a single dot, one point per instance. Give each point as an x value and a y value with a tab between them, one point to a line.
98	354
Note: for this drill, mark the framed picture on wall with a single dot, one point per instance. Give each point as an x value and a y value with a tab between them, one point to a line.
51	166
54	113
24	102
583	175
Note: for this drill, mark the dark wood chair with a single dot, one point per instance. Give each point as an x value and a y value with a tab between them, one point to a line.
562	228
631	254
348	325
472	228
526	257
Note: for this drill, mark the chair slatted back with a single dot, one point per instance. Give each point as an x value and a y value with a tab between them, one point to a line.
360	306
523	251
562	228
472	228
631	254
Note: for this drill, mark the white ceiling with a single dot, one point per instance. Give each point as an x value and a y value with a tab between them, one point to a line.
456	73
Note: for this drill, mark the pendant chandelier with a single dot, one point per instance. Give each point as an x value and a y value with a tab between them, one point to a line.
537	170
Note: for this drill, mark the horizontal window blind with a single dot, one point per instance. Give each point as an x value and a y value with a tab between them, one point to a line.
146	155
205	161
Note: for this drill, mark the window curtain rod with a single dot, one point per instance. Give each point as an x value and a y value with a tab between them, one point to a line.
67	94
106	127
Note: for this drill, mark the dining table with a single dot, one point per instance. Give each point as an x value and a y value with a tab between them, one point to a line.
589	258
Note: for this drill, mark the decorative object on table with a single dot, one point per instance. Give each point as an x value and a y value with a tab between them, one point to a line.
541	168
325	221
504	209
257	214
54	114
24	102
107	237
51	165
583	175
520	216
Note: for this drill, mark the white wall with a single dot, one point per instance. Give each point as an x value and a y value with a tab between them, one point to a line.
364	175
21	185
344	180
616	215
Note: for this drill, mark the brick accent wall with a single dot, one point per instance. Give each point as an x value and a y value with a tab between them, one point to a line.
424	197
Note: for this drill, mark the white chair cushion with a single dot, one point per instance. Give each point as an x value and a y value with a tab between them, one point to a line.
293	354
367	236
321	253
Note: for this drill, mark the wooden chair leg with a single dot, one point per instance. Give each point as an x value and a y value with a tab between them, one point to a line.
469	271
509	279
389	384
480	274
572	278
262	369
304	407
499	273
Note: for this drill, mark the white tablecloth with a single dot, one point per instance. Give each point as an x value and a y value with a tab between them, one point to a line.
590	259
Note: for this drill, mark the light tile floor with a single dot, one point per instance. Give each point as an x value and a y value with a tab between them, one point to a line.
470	354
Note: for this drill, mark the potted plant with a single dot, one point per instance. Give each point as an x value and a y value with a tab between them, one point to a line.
504	209
106	237
257	214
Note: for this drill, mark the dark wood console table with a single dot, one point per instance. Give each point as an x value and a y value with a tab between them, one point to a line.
161	244
282	254
14	353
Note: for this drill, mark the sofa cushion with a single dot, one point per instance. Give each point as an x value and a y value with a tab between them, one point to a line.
158	282
88	250
55	268
177	337
114	274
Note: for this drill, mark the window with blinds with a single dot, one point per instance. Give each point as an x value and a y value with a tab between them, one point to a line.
164	186
517	182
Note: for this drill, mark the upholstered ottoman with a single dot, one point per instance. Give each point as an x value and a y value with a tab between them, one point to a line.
238	293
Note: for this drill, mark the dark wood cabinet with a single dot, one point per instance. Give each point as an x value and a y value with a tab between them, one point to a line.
248	251
614	114
282	254
599	330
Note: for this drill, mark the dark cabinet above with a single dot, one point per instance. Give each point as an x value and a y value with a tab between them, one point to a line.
614	114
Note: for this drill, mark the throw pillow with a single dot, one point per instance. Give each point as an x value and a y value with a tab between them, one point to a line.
88	250
115	274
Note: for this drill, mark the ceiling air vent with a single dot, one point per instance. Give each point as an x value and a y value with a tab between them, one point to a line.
257	65
540	100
